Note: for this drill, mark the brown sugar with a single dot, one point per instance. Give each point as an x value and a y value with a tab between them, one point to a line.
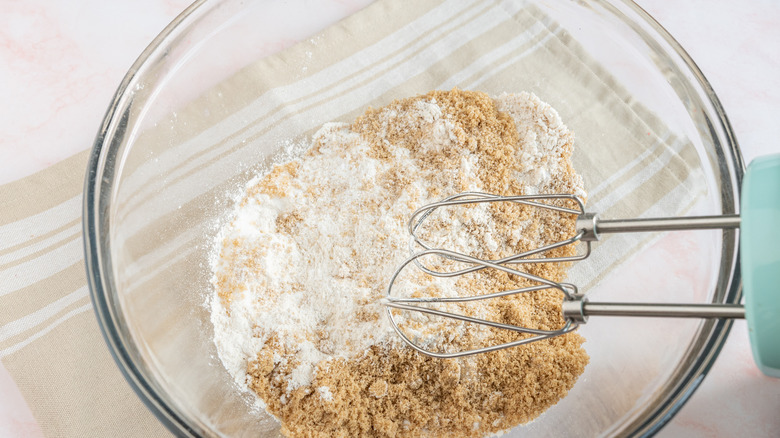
329	374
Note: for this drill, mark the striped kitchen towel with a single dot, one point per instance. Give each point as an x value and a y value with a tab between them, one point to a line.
49	338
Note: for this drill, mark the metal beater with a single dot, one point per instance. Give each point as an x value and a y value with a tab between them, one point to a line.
576	308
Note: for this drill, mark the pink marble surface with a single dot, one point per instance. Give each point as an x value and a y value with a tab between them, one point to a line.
60	63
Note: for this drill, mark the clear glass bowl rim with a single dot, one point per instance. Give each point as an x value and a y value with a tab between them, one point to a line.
97	196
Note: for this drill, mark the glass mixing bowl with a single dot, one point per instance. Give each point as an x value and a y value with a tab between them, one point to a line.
162	178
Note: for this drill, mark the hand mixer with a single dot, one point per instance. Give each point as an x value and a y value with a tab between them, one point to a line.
759	225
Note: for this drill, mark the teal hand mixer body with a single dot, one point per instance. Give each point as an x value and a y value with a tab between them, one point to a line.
759	224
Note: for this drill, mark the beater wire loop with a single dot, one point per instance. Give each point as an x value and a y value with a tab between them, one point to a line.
468	198
417	304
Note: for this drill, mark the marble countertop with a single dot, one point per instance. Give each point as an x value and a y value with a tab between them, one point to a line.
60	63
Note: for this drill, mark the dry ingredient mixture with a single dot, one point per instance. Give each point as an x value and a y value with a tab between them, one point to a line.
303	264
